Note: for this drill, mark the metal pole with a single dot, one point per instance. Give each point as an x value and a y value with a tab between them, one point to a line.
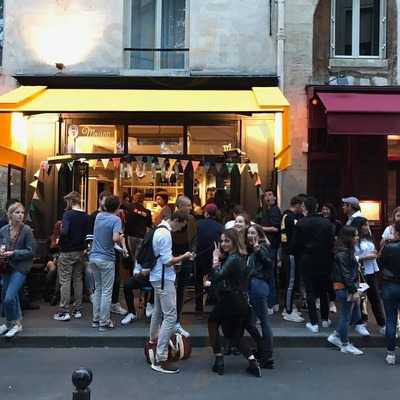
81	379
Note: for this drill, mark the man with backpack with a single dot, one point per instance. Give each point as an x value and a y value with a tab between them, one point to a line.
162	278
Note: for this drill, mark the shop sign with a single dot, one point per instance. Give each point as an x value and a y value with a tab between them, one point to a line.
105	131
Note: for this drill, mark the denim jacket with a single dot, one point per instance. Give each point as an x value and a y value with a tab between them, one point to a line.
22	259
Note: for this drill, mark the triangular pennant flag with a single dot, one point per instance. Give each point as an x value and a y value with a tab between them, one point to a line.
184	164
218	166
70	165
195	165
207	166
253	168
37	174
93	164
58	166
258	181
105	162
161	161
172	163
35	195
34	183
116	162
229	167
241	167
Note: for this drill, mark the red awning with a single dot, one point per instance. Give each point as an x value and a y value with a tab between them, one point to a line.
362	113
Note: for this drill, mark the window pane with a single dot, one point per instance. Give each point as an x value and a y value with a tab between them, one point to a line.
143	33
343	27
211	139
94	139
173	33
15	184
369	27
155	139
3	185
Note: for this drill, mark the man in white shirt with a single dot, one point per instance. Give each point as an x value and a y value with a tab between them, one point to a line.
162	278
351	208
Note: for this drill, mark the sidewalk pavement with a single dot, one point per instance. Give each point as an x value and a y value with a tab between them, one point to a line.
41	331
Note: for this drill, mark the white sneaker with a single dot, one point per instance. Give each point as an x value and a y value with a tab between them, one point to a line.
296	310
326	324
270	311
3	329
77	314
390	359
350	349
292	317
332	307
334	339
312	328
181	331
276	308
62	316
116	308
149	310
318	304
128	319
361	329
13	331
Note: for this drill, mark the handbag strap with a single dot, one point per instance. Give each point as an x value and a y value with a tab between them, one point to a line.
13	243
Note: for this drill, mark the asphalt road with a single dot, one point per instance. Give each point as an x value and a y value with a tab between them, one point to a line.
45	374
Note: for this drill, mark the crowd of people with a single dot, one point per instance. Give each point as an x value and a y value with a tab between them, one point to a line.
246	267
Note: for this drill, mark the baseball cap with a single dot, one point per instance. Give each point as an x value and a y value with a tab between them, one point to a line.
353	201
211	209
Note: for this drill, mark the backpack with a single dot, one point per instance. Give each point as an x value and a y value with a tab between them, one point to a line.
146	257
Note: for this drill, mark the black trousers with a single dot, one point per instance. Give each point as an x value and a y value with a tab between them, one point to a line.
292	274
317	286
136	282
202	268
182	280
374	298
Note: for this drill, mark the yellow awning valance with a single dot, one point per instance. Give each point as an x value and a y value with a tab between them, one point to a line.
32	99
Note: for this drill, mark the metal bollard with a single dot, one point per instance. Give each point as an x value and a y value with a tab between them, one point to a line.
82	378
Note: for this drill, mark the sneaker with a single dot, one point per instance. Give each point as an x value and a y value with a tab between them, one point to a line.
95	324
276	308
128	319
334	339
270	311
181	331
116	308
312	328
326	324
107	326
361	329
62	316
332	307
390	358
165	367
13	331
3	329
350	349
292	317
77	314
318	304
149	310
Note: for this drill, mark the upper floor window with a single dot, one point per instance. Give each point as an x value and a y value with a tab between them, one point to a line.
1	30
358	28
157	35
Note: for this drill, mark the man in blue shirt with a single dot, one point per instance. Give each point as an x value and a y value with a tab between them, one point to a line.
162	278
107	232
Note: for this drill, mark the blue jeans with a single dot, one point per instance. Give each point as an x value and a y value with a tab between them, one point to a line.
349	313
273	286
259	292
391	302
12	283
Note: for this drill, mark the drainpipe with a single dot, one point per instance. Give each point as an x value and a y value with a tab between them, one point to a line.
281	37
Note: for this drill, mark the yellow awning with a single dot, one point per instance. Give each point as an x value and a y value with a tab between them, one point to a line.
39	99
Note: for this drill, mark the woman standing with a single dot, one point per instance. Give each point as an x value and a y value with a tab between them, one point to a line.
16	254
260	267
366	252
232	309
389	232
390	262
345	283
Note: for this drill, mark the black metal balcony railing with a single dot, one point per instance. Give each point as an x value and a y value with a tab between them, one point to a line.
157	58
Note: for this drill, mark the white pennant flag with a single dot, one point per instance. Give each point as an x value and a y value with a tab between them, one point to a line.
241	168
37	174
35	196
34	183
58	166
105	162
253	168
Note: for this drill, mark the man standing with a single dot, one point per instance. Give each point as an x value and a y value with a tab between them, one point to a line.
208	232
162	278
351	208
269	217
291	271
184	240
107	232
313	241
75	227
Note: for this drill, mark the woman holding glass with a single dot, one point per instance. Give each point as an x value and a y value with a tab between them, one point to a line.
16	254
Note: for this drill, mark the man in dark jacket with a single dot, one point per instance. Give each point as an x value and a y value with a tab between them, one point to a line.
208	232
313	245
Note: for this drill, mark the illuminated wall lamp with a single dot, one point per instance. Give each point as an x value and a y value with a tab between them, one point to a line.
393	137
371	210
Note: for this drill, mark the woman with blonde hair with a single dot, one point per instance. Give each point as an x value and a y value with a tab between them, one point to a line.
17	247
389	232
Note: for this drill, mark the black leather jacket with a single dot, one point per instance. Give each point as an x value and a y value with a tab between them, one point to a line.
345	269
390	262
231	275
260	264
